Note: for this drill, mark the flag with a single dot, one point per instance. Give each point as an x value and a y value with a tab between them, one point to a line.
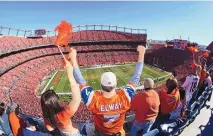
193	49
194	66
64	33
206	55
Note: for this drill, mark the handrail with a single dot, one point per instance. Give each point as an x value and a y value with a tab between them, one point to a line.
76	28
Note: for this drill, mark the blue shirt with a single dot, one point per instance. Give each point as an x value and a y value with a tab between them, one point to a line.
4	124
27	132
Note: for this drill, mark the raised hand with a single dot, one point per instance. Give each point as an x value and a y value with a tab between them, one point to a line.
73	57
141	49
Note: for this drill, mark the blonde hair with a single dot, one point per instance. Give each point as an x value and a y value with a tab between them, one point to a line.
207	74
198	69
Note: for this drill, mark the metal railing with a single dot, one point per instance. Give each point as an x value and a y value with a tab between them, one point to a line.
9	31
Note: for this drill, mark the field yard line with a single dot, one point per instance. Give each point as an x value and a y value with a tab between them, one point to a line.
60	81
49	82
106	66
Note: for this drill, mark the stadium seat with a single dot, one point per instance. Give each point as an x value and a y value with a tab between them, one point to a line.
167	128
88	129
201	100
153	132
180	127
130	118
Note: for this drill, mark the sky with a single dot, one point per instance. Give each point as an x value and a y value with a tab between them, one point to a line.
162	20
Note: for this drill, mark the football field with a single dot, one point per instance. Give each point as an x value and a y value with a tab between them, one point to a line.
60	82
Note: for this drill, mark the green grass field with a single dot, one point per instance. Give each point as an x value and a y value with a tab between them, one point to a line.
60	82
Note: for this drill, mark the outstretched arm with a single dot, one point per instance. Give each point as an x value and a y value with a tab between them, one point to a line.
72	107
76	71
86	91
76	97
133	81
139	66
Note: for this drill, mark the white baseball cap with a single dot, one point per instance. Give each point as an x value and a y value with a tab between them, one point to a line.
108	79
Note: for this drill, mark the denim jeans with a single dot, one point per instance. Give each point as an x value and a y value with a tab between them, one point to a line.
73	134
141	125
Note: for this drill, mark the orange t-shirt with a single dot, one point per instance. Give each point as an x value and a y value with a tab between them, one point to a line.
146	104
169	102
109	113
17	124
63	118
202	77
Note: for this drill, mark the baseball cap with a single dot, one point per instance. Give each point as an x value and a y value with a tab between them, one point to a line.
108	79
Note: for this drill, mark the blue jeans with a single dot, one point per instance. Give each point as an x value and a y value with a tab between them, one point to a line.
141	125
74	134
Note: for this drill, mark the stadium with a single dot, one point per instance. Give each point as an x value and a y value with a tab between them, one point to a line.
30	64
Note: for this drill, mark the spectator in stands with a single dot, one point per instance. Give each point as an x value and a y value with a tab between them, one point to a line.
179	112
146	104
211	74
201	85
169	98
191	83
30	129
16	122
108	106
4	122
174	73
199	69
208	80
59	117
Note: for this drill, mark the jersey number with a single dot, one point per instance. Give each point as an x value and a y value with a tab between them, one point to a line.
193	86
111	118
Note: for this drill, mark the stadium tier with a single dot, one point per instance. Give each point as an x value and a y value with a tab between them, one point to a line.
25	62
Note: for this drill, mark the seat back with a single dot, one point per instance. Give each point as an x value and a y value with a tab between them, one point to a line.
130	118
168	127
153	132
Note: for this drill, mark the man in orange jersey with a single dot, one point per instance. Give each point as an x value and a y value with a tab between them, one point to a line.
109	105
146	104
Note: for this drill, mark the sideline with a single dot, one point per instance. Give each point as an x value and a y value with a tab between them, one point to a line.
48	83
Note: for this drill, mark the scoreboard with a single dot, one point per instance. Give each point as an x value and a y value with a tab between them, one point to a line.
180	44
40	32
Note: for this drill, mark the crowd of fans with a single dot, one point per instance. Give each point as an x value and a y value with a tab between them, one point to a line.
161	105
89	55
33	65
11	43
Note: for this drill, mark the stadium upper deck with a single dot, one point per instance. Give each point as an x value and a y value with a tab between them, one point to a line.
25	61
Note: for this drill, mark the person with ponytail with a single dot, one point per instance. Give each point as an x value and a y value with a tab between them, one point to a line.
56	116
